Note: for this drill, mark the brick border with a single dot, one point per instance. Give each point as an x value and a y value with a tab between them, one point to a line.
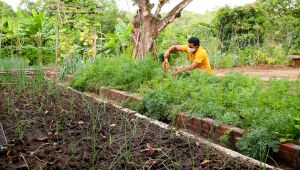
289	153
207	128
116	95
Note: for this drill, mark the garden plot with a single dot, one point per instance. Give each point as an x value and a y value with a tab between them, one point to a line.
50	127
234	99
287	156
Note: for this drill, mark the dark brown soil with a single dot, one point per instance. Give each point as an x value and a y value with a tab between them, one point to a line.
52	128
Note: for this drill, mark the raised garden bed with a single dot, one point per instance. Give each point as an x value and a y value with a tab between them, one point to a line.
50	127
289	152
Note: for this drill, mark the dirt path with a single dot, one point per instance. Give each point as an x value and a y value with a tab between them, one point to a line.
264	72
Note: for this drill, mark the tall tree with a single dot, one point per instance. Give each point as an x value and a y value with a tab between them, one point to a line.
240	27
283	22
147	25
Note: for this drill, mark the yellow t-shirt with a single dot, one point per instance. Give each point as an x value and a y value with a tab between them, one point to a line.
200	57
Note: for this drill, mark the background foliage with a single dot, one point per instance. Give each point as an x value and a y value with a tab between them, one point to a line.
264	32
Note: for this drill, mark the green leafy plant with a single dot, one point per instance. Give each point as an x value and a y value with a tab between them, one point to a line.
120	39
70	65
12	63
157	105
121	73
258	143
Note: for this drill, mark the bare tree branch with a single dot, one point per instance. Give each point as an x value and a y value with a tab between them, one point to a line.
139	3
173	14
159	6
143	5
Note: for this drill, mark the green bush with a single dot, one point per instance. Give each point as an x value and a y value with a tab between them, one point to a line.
121	73
157	105
13	63
267	54
37	55
240	27
258	143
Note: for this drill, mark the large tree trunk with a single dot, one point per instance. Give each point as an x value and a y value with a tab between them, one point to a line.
144	38
147	25
144	44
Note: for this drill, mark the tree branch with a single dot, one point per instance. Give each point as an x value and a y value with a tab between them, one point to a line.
139	3
173	14
143	6
159	6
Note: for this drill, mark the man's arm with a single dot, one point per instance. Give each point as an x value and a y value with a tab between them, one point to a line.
186	68
172	48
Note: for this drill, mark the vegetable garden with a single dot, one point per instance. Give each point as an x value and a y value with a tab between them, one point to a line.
52	127
234	99
91	45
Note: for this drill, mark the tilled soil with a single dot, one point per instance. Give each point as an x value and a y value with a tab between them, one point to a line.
48	127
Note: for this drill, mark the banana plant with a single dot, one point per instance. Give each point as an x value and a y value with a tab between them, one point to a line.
12	35
38	31
35	26
120	39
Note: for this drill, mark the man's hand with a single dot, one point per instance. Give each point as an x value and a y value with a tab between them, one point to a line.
166	64
179	68
184	68
166	54
187	68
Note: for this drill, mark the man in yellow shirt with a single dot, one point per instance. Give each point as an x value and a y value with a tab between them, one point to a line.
196	55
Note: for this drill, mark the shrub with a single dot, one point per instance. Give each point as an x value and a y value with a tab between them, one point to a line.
13	63
121	73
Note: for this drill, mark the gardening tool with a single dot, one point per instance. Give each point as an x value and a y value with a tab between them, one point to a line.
3	141
165	63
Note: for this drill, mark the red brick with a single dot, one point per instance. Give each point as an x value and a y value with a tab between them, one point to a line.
234	133
119	95
290	147
220	130
289	153
207	127
199	126
182	120
195	125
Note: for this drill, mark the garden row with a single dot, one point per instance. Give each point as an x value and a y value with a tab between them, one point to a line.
256	106
288	153
51	127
